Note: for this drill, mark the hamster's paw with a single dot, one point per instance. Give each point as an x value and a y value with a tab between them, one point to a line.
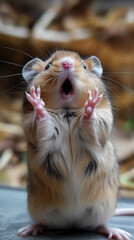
36	101
91	103
113	233
31	229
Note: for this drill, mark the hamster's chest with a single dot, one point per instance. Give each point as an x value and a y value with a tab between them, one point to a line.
69	160
68	140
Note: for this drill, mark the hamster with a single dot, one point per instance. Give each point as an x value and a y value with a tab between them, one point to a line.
72	167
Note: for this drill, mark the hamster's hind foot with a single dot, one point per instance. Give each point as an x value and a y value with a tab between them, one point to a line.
34	229
113	233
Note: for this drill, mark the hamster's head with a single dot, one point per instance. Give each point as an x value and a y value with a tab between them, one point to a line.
64	79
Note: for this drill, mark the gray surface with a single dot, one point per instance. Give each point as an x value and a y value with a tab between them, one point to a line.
13	215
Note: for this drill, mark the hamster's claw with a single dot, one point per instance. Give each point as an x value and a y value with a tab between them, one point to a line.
92	102
31	229
113	233
36	101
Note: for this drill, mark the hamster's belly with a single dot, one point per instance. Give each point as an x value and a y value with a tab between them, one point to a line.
79	216
77	209
85	201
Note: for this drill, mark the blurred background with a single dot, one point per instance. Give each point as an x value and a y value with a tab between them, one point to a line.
35	28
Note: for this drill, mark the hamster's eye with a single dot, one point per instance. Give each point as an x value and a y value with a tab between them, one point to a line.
48	66
84	66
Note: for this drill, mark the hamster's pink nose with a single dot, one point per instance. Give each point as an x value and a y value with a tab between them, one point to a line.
67	64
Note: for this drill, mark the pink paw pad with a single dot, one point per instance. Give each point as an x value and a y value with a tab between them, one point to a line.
91	103
36	101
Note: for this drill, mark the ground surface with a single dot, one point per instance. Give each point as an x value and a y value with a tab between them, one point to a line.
13	215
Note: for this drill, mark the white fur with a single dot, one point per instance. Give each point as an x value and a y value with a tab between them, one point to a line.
75	211
74	215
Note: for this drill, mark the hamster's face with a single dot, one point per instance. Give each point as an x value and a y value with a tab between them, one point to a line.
64	79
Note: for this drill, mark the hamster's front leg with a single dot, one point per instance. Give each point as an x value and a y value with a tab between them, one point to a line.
37	102
44	125
91	104
88	124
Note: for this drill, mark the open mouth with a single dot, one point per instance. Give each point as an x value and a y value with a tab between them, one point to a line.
67	88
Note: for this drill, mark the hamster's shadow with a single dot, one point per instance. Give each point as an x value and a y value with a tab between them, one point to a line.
72	233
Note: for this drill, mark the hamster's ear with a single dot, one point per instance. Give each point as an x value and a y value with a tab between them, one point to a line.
94	65
29	70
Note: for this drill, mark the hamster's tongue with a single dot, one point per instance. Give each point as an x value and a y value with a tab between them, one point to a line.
66	89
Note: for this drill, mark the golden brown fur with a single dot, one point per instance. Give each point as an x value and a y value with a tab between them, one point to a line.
94	188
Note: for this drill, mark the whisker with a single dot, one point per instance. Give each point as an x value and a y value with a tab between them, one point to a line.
12	63
119	72
58	84
17	93
110	89
46	82
53	82
113	80
17	50
9	89
11	75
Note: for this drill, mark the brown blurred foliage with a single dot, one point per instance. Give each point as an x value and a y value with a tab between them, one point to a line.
35	28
